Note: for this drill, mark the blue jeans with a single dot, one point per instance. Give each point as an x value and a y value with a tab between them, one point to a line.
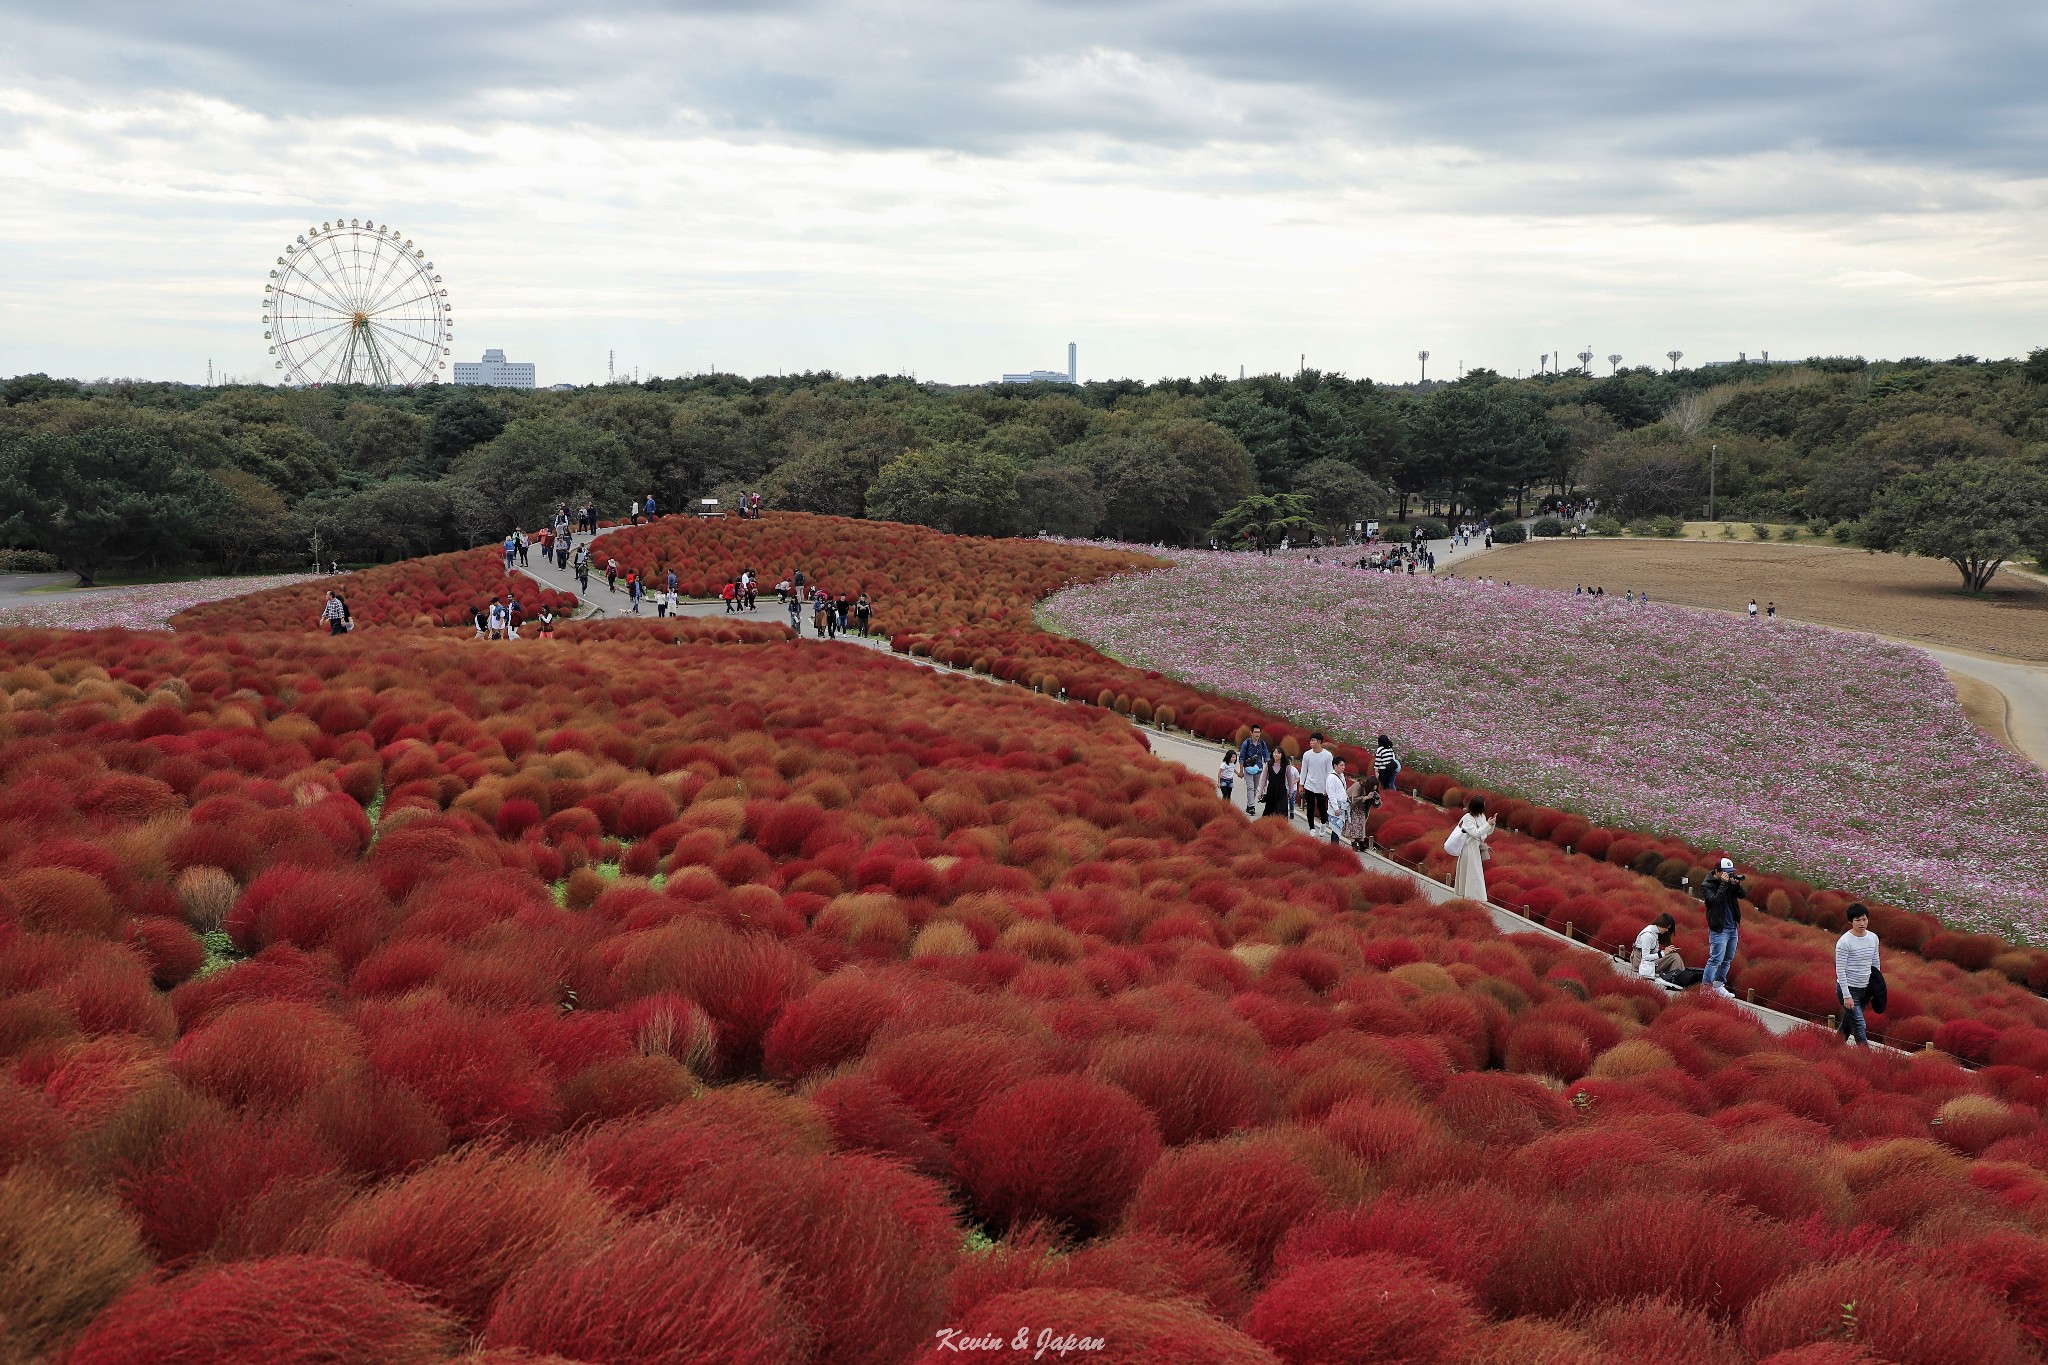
1720	955
1852	1018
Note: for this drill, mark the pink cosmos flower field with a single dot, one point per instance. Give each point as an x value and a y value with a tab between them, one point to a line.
147	606
1833	756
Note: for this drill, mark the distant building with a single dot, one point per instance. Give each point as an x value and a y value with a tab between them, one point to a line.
1072	376
563	388
494	371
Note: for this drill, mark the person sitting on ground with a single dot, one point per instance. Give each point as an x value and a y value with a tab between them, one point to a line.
1655	957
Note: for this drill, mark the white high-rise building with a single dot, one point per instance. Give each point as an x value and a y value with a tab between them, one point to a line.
494	371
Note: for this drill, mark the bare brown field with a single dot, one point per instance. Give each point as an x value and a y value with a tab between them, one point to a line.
1912	599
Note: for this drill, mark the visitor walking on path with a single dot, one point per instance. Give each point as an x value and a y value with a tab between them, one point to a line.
611	575
1336	800
1279	776
1254	756
1857	974
863	612
1386	764
1226	776
1315	781
1468	845
796	614
1722	893
1364	794
583	569
633	591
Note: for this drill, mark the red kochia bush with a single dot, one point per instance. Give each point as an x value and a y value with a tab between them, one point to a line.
264	1054
476	1072
1058	1148
1196	1088
1132	1331
289	1310
1361	1310
865	1117
1901	1313
1242	1193
865	1246
458	1229
343	909
1574	1257
659	1293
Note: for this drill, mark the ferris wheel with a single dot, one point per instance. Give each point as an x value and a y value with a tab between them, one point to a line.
355	302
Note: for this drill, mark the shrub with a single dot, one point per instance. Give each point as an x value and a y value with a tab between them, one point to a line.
377	1126
1458	1236
1574	1257
1604	526
1494	1108
266	1054
218	1185
289	1310
457	1230
475	1071
1547	526
1358	1310
1197	1089
1242	1193
1131	1330
863	1245
1060	1148
866	1117
65	1253
657	1292
1898	1311
947	1074
831	1023
1513	533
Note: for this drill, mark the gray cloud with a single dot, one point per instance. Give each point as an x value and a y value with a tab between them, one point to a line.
1891	80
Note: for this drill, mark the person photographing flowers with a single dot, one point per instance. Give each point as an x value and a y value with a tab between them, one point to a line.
1722	893
1467	843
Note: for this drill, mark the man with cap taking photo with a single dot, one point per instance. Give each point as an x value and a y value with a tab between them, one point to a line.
1722	893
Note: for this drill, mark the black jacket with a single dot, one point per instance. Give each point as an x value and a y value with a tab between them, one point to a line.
1723	899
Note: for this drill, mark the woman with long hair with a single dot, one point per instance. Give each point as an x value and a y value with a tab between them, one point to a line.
1278	774
1472	851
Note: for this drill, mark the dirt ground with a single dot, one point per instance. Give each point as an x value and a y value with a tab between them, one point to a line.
1911	599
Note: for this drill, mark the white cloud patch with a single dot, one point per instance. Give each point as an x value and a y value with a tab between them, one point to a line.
961	188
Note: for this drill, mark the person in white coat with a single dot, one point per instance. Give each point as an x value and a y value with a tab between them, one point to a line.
1473	830
1337	792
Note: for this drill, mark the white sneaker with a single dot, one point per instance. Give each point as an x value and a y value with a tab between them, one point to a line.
1723	991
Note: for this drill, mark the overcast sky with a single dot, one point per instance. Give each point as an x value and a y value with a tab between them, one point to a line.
958	188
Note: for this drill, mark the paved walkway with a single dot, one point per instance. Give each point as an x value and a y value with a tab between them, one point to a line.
17	585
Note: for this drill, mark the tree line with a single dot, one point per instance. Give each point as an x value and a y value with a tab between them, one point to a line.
116	476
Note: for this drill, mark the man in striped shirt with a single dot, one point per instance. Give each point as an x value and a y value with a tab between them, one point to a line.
1386	764
1855	960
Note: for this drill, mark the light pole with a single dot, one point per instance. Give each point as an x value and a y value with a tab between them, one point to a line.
1713	458
1586	359
1614	364
1423	356
1674	357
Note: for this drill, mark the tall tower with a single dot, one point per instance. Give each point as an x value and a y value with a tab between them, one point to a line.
1073	368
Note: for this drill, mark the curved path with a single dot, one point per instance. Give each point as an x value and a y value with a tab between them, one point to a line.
1196	756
